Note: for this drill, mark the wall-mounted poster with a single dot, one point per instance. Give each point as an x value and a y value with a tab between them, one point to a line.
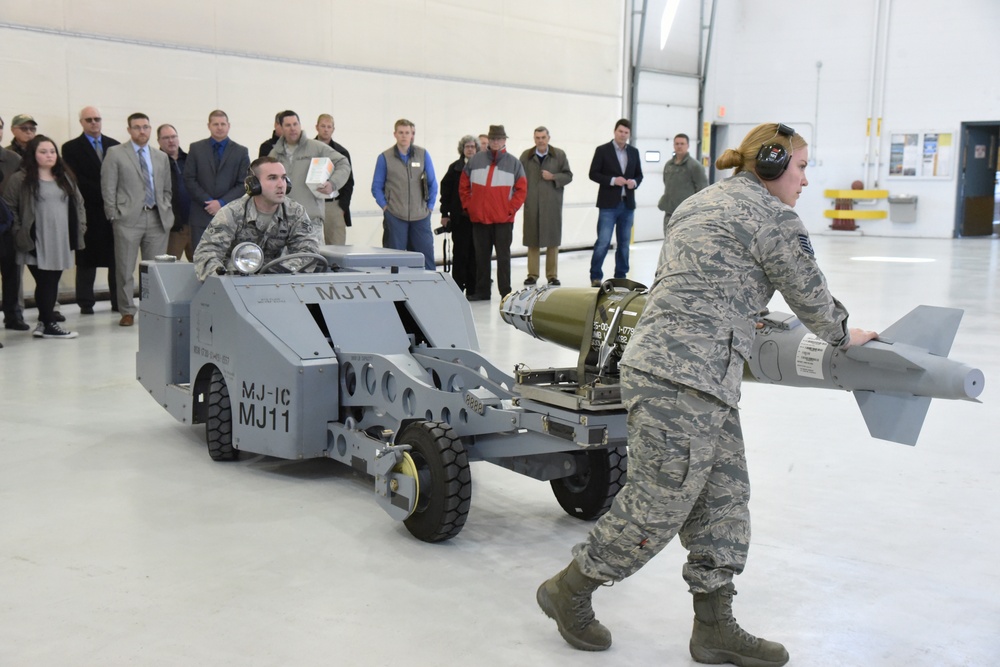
921	154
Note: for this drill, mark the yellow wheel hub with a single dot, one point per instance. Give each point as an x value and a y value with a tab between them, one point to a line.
407	467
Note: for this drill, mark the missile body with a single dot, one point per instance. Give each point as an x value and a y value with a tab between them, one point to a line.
893	378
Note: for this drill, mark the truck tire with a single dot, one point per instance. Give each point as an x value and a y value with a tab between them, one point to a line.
445	481
589	494
219	427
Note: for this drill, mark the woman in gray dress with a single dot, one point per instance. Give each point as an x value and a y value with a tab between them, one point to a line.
49	223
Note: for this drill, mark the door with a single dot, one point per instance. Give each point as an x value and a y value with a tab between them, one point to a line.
977	179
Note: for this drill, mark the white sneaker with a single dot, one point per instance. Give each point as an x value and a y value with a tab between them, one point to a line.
39	330
53	330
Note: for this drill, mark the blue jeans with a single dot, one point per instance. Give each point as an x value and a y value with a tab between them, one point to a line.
409	235
619	221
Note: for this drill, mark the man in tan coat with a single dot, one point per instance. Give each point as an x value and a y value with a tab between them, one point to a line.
548	173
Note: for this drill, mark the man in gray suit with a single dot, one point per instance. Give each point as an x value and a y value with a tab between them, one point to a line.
214	173
135	182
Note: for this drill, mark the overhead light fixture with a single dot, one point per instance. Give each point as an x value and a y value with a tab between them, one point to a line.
667	22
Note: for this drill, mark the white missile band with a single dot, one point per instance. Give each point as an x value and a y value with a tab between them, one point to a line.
809	357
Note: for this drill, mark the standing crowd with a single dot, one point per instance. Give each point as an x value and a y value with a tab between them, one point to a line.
103	204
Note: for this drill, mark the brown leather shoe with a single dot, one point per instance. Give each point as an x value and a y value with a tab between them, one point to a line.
126	321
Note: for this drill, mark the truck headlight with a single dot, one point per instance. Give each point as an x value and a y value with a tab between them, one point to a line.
247	257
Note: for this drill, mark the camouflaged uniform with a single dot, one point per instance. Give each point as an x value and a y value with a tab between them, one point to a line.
236	222
729	248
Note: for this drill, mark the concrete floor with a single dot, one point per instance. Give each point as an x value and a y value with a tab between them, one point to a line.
122	543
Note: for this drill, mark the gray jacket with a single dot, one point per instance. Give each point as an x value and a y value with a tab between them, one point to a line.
680	181
297	166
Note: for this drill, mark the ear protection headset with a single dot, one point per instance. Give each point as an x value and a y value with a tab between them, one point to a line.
773	158
252	184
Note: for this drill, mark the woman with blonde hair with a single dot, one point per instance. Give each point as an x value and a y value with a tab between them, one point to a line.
728	248
49	223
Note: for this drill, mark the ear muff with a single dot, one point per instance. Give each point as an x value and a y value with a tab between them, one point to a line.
252	184
773	158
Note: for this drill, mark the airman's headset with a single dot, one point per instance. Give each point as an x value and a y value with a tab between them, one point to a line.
773	158
252	184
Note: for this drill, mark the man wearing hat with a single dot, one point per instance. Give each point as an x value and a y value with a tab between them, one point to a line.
493	187
23	127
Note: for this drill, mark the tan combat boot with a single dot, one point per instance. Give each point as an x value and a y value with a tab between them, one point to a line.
717	637
565	598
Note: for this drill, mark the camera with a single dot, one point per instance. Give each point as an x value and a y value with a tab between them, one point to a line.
441	230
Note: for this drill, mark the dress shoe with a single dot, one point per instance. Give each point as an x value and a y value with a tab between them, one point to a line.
16	325
86	310
126	321
530	280
477	297
58	317
554	282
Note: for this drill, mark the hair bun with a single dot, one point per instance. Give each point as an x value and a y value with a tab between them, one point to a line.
729	159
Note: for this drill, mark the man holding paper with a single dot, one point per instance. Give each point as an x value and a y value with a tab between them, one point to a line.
317	172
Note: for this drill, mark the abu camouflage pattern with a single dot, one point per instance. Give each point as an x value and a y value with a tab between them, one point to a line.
686	473
289	229
728	248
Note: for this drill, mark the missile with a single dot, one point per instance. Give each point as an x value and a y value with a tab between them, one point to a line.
893	379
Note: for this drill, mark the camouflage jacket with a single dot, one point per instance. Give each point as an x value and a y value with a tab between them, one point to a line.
236	222
728	248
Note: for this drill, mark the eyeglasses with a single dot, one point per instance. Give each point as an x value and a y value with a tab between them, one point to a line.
27	128
91	120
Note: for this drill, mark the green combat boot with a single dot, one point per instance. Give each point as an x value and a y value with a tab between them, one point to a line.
717	637
565	598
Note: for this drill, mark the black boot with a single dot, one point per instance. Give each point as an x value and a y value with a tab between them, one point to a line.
717	637
565	598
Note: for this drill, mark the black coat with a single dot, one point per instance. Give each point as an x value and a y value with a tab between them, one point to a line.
451	202
80	156
605	167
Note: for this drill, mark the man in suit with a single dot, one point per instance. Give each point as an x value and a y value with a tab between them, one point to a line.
84	156
135	182
616	170
338	209
214	173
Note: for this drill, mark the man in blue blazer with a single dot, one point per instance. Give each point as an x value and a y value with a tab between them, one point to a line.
214	173
617	171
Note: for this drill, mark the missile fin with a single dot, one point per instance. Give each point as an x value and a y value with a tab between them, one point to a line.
893	417
888	356
931	328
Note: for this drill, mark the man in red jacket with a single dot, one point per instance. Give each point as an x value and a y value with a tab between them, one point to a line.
493	188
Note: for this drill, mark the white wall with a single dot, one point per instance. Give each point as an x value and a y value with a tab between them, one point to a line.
941	69
452	67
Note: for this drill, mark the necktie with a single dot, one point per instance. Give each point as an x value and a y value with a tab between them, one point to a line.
99	149
147	179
